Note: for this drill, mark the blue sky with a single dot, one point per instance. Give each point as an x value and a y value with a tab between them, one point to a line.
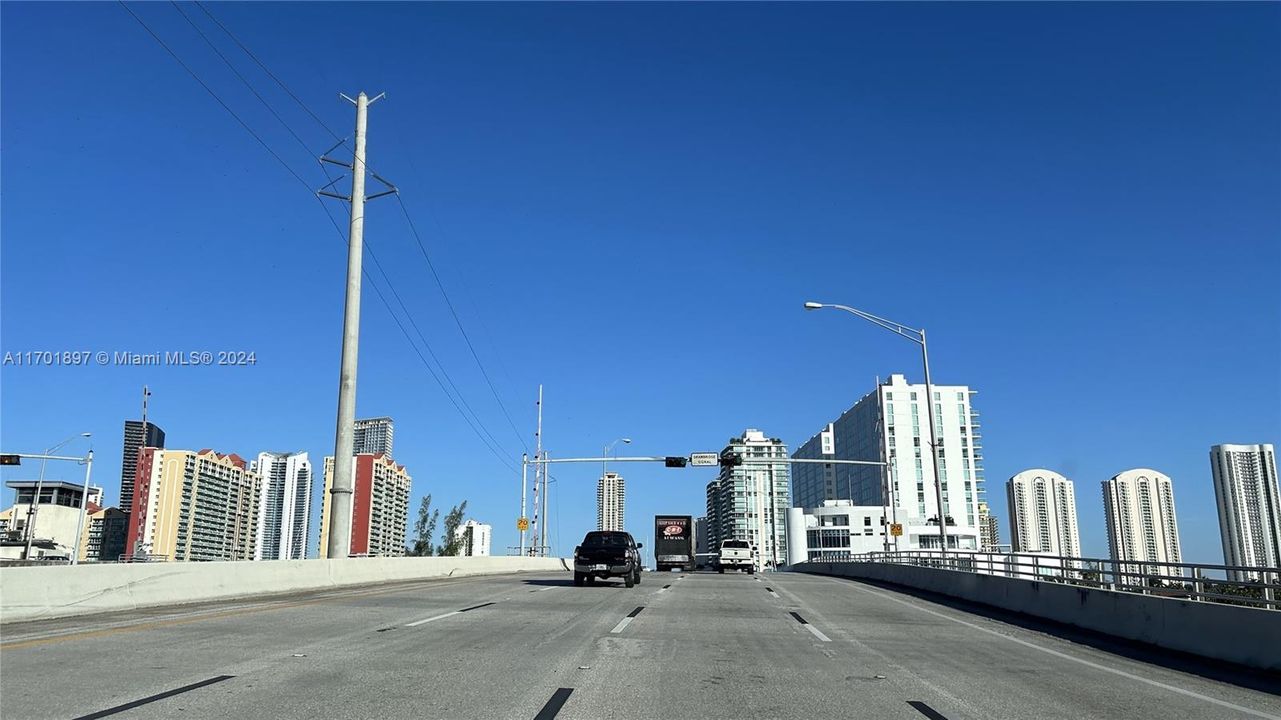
630	203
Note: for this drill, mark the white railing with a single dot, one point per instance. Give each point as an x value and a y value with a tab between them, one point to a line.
1253	586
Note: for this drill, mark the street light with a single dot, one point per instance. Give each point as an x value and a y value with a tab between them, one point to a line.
84	509
547	514
35	498
604	461
609	448
918	337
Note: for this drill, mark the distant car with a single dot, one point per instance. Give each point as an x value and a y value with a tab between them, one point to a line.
735	555
607	554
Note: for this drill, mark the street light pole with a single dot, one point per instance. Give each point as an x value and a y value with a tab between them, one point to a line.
918	337
934	451
31	510
604	466
604	462
34	509
84	509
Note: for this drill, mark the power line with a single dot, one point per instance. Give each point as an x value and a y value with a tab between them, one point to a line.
342	237
242	79
417	238
214	95
458	322
265	69
391	286
497	453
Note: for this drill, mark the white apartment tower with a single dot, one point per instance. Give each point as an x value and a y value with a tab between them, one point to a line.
891	425
610	494
473	539
1139	505
1042	507
750	501
1245	491
284	505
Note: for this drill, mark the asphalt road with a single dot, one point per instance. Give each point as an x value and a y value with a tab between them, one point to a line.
695	646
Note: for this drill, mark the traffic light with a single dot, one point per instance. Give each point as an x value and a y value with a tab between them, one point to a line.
10	460
731	460
678	462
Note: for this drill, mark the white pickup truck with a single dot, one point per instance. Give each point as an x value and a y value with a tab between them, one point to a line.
735	555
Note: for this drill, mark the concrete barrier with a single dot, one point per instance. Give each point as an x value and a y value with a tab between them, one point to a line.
1234	633
31	593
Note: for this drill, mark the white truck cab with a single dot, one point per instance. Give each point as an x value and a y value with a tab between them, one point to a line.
735	555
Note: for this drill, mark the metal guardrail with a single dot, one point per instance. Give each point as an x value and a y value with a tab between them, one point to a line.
1237	585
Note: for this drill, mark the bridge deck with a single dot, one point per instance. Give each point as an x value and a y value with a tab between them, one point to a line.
705	646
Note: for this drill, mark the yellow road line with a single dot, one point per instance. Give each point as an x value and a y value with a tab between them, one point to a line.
138	627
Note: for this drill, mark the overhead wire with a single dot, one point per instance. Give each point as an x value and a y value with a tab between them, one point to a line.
267	70
458	322
461	398
497	454
306	148
404	210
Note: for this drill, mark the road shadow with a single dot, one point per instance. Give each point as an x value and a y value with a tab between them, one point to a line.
550	582
1222	671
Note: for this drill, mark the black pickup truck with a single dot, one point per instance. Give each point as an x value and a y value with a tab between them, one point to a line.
605	554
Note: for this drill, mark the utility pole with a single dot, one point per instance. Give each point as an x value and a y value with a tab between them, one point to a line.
524	481
338	545
524	485
540	472
542	529
146	393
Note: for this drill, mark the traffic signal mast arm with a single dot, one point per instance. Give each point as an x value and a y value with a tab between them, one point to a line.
724	460
14	458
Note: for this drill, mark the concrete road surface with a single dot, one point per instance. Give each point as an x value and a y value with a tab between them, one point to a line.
779	645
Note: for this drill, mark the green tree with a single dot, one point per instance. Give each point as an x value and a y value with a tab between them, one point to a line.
424	528
451	543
